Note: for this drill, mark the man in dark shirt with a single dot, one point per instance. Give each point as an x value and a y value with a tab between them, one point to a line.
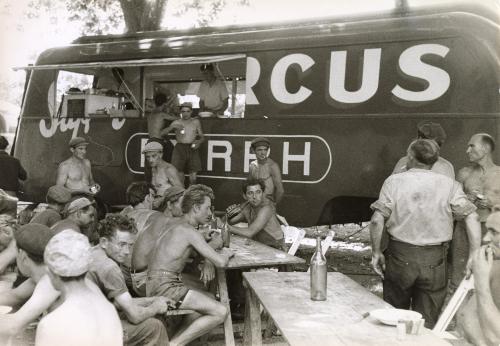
57	197
11	170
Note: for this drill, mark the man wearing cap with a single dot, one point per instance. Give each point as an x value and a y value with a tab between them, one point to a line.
417	207
479	316
85	317
117	235
481	183
189	136
80	216
434	131
12	170
57	197
169	259
163	174
212	92
36	294
75	173
266	169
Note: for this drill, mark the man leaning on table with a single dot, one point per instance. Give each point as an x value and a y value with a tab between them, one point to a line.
417	208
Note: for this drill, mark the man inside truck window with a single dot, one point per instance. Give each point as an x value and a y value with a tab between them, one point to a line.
75	173
212	92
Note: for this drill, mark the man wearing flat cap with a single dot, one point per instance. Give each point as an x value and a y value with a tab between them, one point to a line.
189	136
479	316
163	174
266	169
85	317
36	294
75	173
480	181
430	130
418	207
57	197
80	216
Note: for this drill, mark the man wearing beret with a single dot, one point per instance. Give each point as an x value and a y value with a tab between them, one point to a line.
189	136
36	294
75	173
57	197
479	315
163	174
433	131
85	317
417	207
80	216
266	169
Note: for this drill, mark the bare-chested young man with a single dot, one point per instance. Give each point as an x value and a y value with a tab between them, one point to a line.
189	136
479	317
163	174
481	183
75	173
169	258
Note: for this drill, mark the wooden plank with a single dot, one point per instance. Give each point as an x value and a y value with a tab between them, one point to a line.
252	335
224	298
336	321
252	254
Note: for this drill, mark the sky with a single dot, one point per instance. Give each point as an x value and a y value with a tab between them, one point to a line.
22	40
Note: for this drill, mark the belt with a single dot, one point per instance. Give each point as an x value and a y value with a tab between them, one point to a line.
419	246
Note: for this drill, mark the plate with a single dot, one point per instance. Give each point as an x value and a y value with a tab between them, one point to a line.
392	316
4	309
205	114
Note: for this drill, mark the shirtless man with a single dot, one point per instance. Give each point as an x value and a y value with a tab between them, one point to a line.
163	174
479	317
169	258
85	317
75	173
480	181
266	169
189	136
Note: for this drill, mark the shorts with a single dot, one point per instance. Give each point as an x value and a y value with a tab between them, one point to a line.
185	156
167	284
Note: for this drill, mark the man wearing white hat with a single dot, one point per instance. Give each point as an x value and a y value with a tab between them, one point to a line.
85	316
163	174
479	317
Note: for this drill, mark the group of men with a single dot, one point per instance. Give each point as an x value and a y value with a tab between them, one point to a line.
133	260
421	210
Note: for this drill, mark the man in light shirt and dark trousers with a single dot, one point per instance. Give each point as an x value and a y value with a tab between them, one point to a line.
418	207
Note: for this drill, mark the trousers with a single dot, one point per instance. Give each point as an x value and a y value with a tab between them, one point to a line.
416	278
150	332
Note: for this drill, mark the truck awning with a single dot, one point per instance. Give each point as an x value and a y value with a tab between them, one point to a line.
138	62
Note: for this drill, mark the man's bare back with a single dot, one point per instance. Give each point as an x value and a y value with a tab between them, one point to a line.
156	123
75	174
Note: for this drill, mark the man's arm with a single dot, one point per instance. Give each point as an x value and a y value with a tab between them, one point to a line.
279	191
135	312
263	216
8	256
18	295
44	295
489	315
197	241
222	108
199	132
173	176
62	174
376	228
91	177
174	125
473	229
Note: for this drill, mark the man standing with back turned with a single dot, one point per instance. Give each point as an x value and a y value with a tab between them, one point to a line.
417	208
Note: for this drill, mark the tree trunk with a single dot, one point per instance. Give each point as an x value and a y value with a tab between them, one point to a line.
143	15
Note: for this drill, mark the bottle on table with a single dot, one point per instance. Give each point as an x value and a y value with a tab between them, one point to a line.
318	273
225	233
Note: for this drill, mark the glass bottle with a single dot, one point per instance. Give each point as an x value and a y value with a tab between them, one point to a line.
318	273
213	221
225	234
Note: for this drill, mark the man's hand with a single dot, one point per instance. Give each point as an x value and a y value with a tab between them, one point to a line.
207	272
482	263
216	242
233	210
227	252
378	263
163	304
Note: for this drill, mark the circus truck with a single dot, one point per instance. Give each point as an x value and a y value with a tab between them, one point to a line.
339	99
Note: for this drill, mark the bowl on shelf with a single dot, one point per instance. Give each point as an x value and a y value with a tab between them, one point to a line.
205	114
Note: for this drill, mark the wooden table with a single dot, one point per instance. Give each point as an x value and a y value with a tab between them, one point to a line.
336	321
249	254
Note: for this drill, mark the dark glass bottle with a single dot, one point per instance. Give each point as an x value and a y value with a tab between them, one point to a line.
318	273
225	234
